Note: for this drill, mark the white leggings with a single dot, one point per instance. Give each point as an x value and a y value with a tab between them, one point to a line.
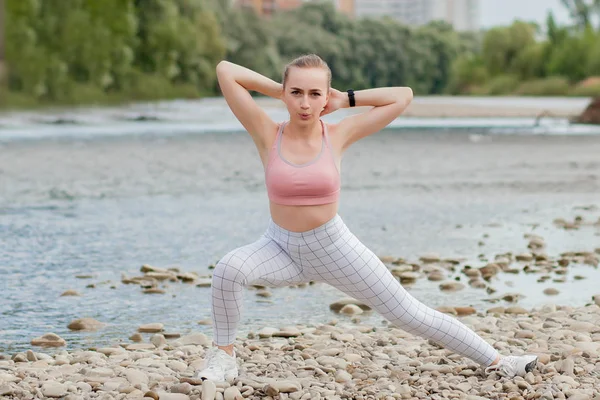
331	254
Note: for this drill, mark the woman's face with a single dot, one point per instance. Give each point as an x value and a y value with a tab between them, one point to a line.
306	93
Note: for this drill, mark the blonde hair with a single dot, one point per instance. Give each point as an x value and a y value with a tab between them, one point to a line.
308	61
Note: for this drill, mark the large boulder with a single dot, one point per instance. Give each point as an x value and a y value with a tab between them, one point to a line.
591	115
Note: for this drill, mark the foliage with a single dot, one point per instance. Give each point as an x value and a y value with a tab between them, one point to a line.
80	51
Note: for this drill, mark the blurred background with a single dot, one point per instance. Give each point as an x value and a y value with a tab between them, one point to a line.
76	51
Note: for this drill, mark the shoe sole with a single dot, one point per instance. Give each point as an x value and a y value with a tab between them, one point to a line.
529	367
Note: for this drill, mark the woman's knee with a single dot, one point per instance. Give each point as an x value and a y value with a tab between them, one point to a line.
231	271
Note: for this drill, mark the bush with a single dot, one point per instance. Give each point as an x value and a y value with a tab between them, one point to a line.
551	86
502	84
585	91
150	87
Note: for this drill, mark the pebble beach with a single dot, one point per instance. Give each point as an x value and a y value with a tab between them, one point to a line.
329	361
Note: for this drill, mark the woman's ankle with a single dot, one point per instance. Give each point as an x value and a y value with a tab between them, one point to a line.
227	349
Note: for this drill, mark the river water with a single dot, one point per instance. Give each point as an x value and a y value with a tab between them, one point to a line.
100	192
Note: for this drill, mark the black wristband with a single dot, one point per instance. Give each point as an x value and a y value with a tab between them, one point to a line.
351	99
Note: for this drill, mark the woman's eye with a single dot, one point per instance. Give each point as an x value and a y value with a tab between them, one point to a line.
295	92
316	94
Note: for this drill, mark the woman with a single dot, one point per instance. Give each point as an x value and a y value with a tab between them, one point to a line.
306	240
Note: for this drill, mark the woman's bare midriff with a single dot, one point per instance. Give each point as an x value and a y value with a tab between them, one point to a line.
302	218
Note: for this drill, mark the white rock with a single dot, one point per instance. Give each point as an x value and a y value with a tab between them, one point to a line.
342	376
54	389
351	309
197	339
267	332
174	396
209	390
232	393
136	377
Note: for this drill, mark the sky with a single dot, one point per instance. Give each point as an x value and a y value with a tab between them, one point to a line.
503	12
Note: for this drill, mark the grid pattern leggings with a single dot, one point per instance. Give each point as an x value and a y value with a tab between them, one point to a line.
331	254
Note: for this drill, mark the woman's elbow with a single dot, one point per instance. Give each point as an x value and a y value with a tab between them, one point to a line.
405	95
222	66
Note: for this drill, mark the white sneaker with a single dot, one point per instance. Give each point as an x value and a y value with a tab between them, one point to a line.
510	366
219	366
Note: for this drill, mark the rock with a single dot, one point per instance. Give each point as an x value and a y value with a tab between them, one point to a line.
148	268
136	337
140	346
267	332
288	331
70	292
387	259
48	340
436	276
30	355
232	393
536	243
516	310
154	290
342	376
408	277
447	310
451	286
209	390
151	328
282	387
551	291
85	324
173	396
158	340
338	305
496	310
136	377
596	299
524	257
54	389
591	115
152	395
204	283
109	351
525	334
7	390
430	258
196	339
461	311
351	309
182	388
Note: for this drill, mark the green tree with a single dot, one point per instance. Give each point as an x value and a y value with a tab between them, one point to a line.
502	46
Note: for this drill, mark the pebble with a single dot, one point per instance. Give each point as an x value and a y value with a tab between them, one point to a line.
151	328
85	324
335	361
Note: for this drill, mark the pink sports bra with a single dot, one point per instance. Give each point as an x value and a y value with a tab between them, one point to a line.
313	183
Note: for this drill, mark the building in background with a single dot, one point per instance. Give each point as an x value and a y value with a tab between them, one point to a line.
463	15
268	7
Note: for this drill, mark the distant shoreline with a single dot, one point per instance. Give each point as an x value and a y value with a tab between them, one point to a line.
422	106
487	106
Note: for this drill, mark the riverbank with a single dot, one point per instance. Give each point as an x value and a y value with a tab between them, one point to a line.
338	360
482	107
421	106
